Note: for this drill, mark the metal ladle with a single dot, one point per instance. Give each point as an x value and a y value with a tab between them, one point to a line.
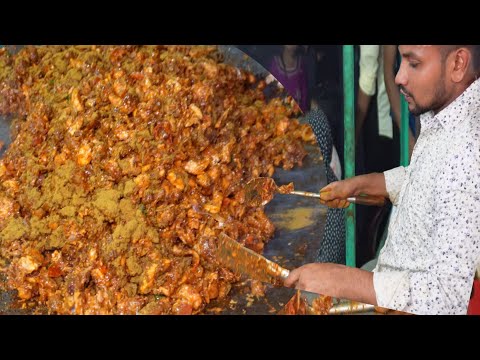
260	191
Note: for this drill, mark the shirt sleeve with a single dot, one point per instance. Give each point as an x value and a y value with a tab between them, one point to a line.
368	68
394	180
391	289
444	286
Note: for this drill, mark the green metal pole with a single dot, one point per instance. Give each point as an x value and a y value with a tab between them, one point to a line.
349	145
404	157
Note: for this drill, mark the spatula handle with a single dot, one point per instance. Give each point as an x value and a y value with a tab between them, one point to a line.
305	193
276	270
350	307
367	200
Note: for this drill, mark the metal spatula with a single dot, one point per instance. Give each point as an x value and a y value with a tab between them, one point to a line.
244	261
260	191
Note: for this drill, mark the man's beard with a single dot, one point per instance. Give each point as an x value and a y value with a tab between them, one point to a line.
438	100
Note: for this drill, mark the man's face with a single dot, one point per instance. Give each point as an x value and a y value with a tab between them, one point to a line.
422	78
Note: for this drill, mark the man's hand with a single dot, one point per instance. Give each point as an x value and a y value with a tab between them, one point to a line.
334	195
334	280
317	278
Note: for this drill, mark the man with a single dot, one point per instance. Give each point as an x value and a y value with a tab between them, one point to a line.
433	247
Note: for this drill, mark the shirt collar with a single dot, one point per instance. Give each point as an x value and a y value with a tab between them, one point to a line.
458	110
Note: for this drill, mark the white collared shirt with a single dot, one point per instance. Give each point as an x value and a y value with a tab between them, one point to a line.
429	259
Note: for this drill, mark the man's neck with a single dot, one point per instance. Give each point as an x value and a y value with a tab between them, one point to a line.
458	90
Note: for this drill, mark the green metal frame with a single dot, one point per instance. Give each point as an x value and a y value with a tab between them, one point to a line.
404	156
349	145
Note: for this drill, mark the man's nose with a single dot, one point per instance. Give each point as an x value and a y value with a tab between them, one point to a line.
401	77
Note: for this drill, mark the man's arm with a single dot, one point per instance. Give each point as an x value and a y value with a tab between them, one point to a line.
389	55
335	194
334	280
363	103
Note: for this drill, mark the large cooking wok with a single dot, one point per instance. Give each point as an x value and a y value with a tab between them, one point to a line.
299	221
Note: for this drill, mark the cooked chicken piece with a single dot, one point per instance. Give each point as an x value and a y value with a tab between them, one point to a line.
84	155
196	167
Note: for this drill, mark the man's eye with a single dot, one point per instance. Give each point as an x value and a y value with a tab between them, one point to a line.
413	65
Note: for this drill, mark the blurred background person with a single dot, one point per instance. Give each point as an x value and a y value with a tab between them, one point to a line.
289	68
391	65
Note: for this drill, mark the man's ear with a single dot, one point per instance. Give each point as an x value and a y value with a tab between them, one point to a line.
461	59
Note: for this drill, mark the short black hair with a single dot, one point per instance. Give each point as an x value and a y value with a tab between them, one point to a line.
474	49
